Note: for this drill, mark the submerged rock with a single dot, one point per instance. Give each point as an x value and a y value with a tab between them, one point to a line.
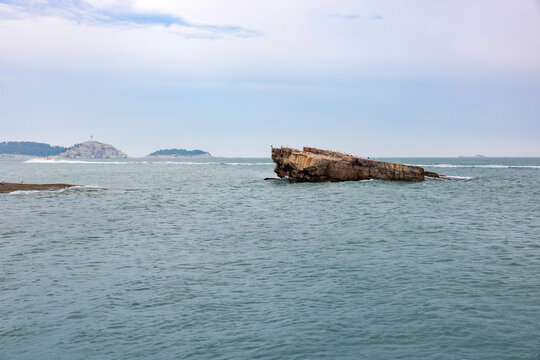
316	165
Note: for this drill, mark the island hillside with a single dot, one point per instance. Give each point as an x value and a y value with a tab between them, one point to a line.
180	153
93	150
30	148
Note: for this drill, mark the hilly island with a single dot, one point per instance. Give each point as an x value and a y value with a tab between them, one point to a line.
180	153
93	150
30	148
86	150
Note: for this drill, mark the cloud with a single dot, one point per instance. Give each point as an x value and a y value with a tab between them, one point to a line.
346	16
354	16
148	65
116	14
305	37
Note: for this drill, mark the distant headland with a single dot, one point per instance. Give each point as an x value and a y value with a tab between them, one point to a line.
30	148
87	150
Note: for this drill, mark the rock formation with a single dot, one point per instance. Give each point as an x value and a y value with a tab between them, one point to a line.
93	150
315	165
11	187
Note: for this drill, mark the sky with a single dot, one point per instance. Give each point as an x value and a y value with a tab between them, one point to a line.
382	78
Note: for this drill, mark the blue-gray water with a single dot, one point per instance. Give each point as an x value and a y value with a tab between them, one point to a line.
205	260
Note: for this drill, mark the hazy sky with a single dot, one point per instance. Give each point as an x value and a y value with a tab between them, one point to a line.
374	78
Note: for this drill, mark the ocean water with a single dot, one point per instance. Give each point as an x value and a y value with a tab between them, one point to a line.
202	259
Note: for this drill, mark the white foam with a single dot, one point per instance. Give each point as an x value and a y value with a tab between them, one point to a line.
210	163
58	161
91	162
451	177
494	166
71	189
25	192
249	164
29	192
93	189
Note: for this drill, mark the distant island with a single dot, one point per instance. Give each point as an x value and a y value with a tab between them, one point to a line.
93	150
181	153
87	150
30	148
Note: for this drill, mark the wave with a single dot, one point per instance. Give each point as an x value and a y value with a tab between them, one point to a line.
100	162
479	166
62	161
78	189
92	189
452	177
57	161
26	192
248	164
210	163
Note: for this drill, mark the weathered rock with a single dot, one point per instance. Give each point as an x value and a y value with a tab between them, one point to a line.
431	174
11	187
315	165
93	150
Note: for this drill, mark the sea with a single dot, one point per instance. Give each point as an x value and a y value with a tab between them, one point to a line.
204	259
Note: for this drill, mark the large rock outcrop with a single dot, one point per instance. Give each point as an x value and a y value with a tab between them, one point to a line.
315	165
93	150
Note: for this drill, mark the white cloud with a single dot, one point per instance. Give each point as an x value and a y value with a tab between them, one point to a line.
119	14
296	38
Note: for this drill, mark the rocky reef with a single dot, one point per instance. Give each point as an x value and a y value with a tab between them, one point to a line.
11	187
316	165
93	150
